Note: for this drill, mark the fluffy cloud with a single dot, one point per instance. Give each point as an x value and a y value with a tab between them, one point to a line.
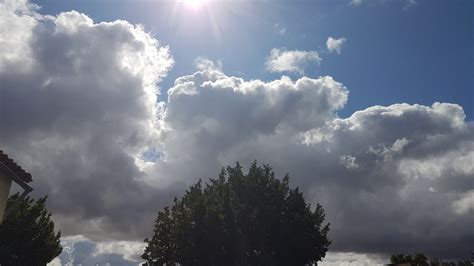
352	259
203	63
79	250
335	45
465	204
372	171
79	110
212	115
348	161
295	61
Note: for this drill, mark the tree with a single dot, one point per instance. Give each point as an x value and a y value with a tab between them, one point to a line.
27	234
418	260
239	219
421	260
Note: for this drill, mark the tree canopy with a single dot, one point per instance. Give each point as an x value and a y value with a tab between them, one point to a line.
419	259
239	219
27	234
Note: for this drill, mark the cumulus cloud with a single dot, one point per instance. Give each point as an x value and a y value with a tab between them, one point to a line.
210	114
335	45
79	250
294	61
372	170
203	63
79	110
78	105
465	204
352	259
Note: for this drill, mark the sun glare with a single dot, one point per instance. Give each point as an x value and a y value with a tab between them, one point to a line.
195	4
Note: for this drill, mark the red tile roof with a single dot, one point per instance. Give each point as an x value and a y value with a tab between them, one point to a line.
15	168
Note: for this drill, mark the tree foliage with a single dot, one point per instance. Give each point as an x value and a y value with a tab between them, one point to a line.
419	259
27	234
239	219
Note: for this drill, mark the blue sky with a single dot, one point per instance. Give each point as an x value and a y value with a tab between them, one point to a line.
395	52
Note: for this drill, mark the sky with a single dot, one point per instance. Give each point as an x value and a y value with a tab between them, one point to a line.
115	107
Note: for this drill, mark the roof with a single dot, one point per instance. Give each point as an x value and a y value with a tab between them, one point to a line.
14	168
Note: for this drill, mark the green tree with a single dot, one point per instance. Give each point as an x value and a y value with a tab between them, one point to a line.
421	260
239	219
27	234
401	259
418	260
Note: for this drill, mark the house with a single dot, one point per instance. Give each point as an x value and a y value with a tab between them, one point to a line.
11	172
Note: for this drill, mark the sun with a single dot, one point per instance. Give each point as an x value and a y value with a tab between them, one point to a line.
195	4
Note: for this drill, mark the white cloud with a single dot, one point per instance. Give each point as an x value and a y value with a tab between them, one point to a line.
78	108
295	61
203	63
295	128
351	259
388	152
349	162
465	204
79	250
410	3
335	45
244	111
356	2
458	161
17	21
279	29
